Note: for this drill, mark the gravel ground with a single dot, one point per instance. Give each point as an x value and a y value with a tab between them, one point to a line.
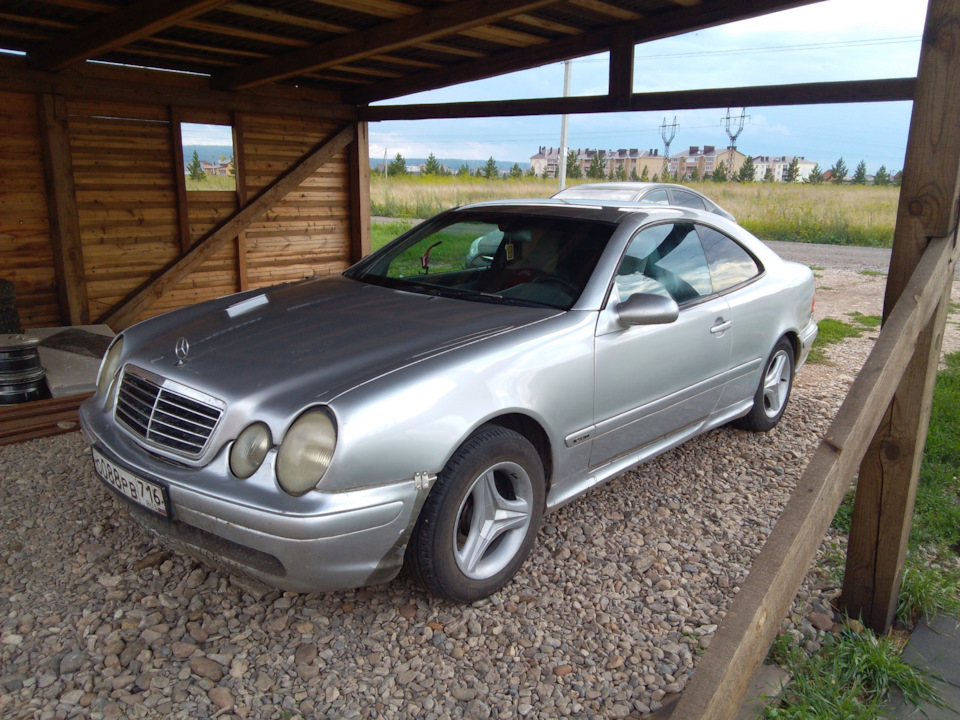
622	592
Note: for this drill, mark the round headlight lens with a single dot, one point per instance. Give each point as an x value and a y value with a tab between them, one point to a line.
305	452
249	450
109	366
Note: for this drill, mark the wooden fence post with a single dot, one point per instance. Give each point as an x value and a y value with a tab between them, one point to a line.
928	209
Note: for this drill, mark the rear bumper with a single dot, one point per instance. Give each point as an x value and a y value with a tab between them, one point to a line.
807	337
318	542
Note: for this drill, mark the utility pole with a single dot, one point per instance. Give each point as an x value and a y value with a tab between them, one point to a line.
733	135
384	163
668	133
562	160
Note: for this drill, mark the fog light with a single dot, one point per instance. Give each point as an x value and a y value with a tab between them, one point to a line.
249	450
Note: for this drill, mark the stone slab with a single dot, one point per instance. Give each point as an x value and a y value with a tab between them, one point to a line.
935	647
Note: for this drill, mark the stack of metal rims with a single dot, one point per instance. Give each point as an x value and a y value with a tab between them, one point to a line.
22	377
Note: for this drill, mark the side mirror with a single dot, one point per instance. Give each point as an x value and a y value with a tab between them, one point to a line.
646	309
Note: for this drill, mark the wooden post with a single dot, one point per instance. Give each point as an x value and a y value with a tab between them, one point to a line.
360	194
620	85
928	208
62	210
180	178
240	173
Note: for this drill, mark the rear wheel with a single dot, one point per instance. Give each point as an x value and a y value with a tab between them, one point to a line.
480	520
770	400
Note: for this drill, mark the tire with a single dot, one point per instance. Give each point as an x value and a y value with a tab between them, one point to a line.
447	553
773	393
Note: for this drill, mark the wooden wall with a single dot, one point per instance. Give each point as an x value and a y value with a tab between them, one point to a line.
26	257
129	215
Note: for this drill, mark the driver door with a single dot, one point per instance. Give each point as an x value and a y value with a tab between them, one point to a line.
653	381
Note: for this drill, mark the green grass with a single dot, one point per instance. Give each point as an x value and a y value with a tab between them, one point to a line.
817	267
212	182
382	233
824	287
927	590
871	321
873	273
849	678
954	307
831	331
834	331
937	508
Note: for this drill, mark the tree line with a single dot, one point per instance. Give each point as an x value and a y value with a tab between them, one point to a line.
597	170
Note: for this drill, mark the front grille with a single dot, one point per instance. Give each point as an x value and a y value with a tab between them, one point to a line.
164	417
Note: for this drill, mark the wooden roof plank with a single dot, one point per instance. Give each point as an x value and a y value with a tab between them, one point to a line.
653	27
117	29
423	26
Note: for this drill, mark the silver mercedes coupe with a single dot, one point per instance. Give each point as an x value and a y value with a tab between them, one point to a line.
423	411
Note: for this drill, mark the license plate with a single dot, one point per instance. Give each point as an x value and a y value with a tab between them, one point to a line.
143	492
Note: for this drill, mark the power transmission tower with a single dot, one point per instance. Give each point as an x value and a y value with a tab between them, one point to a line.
728	123
668	133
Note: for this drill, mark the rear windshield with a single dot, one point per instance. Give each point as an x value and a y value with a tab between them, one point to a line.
586	192
492	257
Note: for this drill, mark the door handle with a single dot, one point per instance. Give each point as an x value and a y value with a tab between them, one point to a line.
721	326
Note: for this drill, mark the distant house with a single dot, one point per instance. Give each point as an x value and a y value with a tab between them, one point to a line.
704	161
546	161
778	165
217	167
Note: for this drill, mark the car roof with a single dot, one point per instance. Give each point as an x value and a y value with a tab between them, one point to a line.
601	210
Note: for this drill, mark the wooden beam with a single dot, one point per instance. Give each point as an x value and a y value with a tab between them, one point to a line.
121	27
741	642
240	173
62	210
668	23
620	85
928	205
179	178
402	32
128	310
771	95
360	194
99	82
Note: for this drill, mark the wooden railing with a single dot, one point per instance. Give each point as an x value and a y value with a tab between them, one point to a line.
883	418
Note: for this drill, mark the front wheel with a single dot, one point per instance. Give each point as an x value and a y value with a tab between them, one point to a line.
770	400
480	520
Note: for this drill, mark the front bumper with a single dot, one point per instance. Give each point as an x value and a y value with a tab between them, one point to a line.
314	543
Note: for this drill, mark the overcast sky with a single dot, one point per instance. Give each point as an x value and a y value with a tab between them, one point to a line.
832	40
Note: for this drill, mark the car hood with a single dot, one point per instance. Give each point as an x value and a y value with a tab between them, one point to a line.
315	339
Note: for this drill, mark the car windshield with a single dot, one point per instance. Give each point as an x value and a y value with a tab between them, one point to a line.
492	257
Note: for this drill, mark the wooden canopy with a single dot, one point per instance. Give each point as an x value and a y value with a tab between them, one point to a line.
363	50
96	221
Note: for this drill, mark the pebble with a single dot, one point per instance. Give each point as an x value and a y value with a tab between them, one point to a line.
622	591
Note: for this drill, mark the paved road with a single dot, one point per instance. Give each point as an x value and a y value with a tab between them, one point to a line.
833	256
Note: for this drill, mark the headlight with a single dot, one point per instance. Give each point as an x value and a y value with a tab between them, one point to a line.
249	450
306	451
109	366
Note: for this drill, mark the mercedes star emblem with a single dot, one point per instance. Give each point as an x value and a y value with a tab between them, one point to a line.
182	348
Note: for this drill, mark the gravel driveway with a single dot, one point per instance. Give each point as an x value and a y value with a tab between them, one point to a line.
623	590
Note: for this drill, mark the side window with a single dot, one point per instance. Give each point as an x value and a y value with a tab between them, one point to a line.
729	263
685	199
665	260
656	197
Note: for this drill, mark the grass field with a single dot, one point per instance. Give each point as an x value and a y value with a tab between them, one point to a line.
212	182
844	215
